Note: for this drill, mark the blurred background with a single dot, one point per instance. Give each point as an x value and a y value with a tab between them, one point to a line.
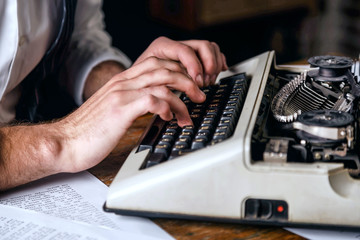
295	29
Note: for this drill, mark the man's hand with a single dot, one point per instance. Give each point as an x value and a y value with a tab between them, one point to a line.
86	136
92	131
202	59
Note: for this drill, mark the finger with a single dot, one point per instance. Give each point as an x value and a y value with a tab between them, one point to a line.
165	106
225	66
219	57
207	56
176	105
150	64
162	77
177	51
149	103
219	60
210	56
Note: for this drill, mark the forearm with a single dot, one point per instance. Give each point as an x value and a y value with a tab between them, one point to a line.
28	153
99	75
31	152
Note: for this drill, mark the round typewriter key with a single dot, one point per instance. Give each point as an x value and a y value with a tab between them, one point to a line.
198	143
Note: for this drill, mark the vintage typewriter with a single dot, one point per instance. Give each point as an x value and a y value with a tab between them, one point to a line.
272	145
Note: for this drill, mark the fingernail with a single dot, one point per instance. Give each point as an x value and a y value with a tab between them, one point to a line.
199	80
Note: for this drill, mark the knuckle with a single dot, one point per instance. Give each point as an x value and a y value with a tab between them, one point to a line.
152	60
160	39
164	72
186	48
177	67
115	98
205	42
215	45
163	90
211	66
149	100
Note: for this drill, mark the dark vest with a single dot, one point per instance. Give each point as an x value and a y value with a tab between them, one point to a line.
40	88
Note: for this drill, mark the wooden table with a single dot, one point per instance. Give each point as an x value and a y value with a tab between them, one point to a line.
182	229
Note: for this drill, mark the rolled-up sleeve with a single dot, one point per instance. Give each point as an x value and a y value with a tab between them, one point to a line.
90	45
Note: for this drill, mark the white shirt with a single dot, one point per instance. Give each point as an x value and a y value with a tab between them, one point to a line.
27	29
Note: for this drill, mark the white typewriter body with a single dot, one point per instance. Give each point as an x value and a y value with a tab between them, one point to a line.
217	182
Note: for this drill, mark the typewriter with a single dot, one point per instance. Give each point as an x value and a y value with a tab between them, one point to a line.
275	145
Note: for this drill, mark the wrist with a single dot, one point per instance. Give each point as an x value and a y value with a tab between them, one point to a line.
28	153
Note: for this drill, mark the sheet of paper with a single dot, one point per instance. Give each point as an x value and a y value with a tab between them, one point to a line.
21	224
316	234
79	197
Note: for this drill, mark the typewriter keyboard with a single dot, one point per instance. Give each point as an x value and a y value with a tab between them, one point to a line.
214	121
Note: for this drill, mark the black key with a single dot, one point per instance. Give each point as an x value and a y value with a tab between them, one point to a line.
207	122
219	135
187	102
187	134
171	130
179	146
179	153
215	141
197	111
222	129
231	105
183	140
163	149
172	127
238	89
209	117
216	100
165	141
228	116
170	135
226	130
196	118
217	96
205	129
148	142
188	129
198	143
230	110
225	122
203	135
221	91
206	91
234	99
154	159
173	122
214	106
238	95
212	112
199	105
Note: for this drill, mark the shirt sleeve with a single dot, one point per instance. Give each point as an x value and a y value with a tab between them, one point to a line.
90	45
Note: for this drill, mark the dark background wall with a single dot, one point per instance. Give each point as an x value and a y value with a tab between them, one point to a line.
293	33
